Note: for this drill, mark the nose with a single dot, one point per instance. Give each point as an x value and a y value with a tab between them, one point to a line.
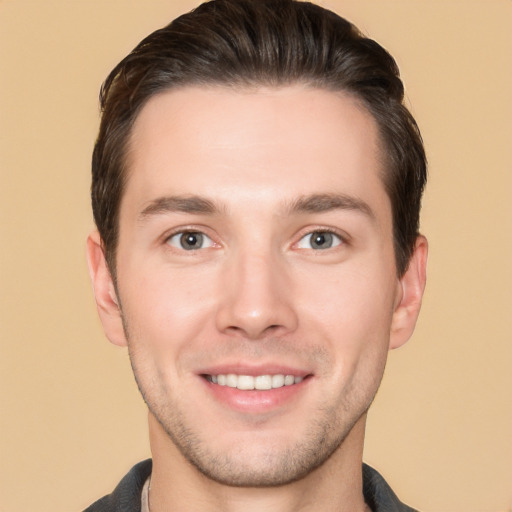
256	297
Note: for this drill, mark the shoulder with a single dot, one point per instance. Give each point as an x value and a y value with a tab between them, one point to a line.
378	494
126	497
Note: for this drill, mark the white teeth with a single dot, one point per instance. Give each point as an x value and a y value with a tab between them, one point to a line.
289	380
231	380
277	381
245	382
261	382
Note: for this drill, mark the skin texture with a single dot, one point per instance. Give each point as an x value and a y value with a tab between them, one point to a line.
256	172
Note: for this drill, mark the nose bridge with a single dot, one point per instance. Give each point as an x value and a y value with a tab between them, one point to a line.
256	297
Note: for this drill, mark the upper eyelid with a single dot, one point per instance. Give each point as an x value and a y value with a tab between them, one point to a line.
344	237
166	241
191	228
187	229
180	234
340	242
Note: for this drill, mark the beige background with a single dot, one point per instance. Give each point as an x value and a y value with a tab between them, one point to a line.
72	422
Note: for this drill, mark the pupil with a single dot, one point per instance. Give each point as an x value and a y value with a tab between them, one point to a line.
321	240
191	240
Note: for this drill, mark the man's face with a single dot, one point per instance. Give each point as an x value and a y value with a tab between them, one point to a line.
256	250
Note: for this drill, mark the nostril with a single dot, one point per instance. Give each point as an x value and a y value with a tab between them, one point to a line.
254	315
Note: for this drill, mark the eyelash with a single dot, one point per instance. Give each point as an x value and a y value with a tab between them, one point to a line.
343	239
324	233
189	231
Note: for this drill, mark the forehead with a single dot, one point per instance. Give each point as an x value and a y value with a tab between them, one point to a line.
241	144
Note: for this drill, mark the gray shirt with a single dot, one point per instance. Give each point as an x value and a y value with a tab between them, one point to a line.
131	494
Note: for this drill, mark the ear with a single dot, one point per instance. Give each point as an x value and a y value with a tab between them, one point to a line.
410	293
107	302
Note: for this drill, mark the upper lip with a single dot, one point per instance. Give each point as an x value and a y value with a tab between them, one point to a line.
254	370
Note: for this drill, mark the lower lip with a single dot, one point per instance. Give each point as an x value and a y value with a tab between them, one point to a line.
255	401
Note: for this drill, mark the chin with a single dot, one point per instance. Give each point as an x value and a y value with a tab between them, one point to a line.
258	459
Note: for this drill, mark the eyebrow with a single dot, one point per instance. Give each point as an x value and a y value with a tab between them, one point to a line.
313	203
318	203
179	204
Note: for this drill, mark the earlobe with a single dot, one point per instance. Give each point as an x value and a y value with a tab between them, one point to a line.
107	302
412	286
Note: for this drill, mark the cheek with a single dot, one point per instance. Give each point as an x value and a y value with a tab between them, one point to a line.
164	309
354	320
352	310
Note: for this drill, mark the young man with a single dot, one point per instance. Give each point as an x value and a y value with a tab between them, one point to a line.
256	187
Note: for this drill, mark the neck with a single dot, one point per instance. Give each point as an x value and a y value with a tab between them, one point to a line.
334	486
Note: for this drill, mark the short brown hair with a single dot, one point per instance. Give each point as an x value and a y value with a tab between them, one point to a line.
260	42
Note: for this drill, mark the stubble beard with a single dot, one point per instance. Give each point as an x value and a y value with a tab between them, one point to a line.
274	466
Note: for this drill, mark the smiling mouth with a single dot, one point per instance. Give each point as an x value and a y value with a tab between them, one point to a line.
258	382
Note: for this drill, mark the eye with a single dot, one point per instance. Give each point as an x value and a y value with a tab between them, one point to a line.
319	240
190	240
